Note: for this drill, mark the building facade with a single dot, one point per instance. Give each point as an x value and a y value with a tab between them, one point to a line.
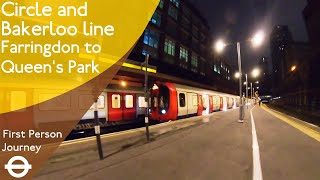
265	77
311	16
280	38
178	41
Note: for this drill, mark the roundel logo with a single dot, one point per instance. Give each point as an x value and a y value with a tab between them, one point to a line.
11	167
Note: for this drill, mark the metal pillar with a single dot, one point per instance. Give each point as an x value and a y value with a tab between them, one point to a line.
253	94
241	114
97	129
247	91
146	119
251	91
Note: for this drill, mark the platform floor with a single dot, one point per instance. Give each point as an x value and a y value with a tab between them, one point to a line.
216	148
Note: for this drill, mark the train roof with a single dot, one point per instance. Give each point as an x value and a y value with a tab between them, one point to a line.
199	90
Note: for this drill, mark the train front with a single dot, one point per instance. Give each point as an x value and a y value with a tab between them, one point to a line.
163	102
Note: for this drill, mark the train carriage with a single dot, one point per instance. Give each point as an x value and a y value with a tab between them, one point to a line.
171	101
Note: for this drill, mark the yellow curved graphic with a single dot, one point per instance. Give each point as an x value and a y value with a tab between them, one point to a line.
35	55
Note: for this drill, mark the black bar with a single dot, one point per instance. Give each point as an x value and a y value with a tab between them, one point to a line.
97	131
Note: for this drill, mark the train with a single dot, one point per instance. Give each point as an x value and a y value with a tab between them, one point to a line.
117	105
168	101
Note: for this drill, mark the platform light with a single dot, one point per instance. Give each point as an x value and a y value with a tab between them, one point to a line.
258	38
123	83
220	45
293	68
237	75
256	72
257	82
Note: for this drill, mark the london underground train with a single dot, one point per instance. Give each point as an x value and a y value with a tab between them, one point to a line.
171	101
121	105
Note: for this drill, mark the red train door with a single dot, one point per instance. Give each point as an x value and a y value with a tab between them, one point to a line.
211	104
221	103
129	106
121	106
200	105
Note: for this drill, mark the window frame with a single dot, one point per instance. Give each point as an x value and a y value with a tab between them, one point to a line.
151	38
175	3
169	47
173	12
182	96
118	95
184	54
156	19
132	102
194	58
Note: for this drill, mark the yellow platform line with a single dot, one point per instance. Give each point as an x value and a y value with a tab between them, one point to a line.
303	128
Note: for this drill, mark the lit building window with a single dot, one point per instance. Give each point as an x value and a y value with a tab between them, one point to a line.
175	2
156	19
183	54
173	12
169	47
151	38
161	4
194	60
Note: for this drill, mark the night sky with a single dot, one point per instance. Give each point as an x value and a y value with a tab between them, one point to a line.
235	20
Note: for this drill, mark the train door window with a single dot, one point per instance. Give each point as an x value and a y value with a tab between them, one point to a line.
129	101
142	102
18	100
101	101
154	101
116	101
182	100
164	97
194	100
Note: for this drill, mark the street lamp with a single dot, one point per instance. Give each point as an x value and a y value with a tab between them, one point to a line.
256	72
293	68
256	41
237	75
220	45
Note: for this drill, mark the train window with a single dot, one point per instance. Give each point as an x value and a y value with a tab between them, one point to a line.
182	100
164	98
55	103
116	101
18	100
85	101
195	100
101	101
142	102
129	101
